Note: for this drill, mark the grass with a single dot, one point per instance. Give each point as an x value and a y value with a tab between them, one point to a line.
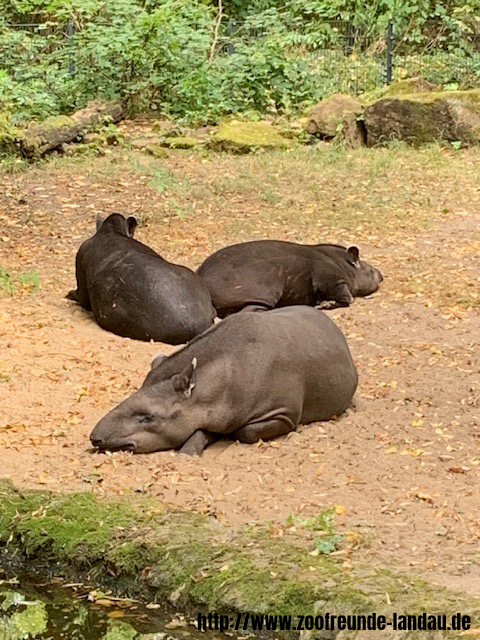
384	199
28	281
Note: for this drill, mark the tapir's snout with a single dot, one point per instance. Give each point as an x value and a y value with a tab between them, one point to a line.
103	445
106	441
96	442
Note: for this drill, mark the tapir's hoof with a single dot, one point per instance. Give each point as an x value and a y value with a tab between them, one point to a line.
72	295
327	305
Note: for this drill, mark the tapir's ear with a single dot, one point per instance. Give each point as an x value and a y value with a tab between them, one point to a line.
99	220
132	224
157	359
353	256
185	382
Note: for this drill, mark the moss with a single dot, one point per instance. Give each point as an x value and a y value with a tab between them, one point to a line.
242	137
181	142
155	149
54	122
408	86
470	97
159	553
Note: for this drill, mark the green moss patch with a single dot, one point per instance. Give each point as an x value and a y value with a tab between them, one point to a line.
243	137
195	560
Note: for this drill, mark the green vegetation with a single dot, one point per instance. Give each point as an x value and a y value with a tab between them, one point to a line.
189	60
323	525
27	281
27	621
194	559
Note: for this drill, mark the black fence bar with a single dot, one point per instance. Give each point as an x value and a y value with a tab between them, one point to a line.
71	59
389	60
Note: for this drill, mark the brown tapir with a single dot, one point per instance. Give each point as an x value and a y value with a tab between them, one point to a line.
253	376
265	274
136	293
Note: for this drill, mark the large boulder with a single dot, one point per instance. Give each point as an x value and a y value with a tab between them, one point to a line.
327	117
242	137
419	118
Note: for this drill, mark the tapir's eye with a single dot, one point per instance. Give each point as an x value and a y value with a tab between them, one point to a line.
145	417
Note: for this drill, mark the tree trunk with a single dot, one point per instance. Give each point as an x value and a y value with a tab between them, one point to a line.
38	139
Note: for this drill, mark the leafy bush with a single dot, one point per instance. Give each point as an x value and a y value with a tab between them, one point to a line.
276	57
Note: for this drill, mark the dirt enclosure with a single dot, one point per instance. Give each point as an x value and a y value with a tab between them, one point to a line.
402	465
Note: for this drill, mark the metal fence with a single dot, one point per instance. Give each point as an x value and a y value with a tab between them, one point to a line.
342	56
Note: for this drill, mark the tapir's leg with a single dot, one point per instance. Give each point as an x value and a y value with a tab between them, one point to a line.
198	442
265	430
340	297
80	294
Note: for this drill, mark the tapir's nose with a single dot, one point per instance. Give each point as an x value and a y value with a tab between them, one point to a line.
97	442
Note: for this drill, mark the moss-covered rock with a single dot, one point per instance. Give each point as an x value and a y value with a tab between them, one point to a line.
400	88
82	149
410	85
180	142
156	149
242	137
139	547
326	118
419	118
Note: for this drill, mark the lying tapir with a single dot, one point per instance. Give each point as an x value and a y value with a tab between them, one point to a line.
264	274
253	376
134	292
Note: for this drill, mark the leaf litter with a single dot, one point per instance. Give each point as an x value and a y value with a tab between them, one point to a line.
402	462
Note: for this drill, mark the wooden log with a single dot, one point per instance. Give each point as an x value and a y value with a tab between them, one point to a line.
38	139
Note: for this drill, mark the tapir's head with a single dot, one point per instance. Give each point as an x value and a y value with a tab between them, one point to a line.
119	223
365	278
154	418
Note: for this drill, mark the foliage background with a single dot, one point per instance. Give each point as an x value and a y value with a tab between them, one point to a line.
197	60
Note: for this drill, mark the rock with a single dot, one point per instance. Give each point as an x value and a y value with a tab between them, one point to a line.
156	149
425	117
93	138
351	132
242	137
325	117
80	149
180	142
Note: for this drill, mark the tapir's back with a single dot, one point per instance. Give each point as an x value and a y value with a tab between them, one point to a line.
312	354
134	292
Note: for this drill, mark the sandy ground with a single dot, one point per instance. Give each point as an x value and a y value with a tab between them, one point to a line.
403	463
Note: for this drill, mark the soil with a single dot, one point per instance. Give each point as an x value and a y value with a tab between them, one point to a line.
402	465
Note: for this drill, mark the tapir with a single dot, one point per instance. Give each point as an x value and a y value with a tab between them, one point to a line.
265	274
136	293
252	376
